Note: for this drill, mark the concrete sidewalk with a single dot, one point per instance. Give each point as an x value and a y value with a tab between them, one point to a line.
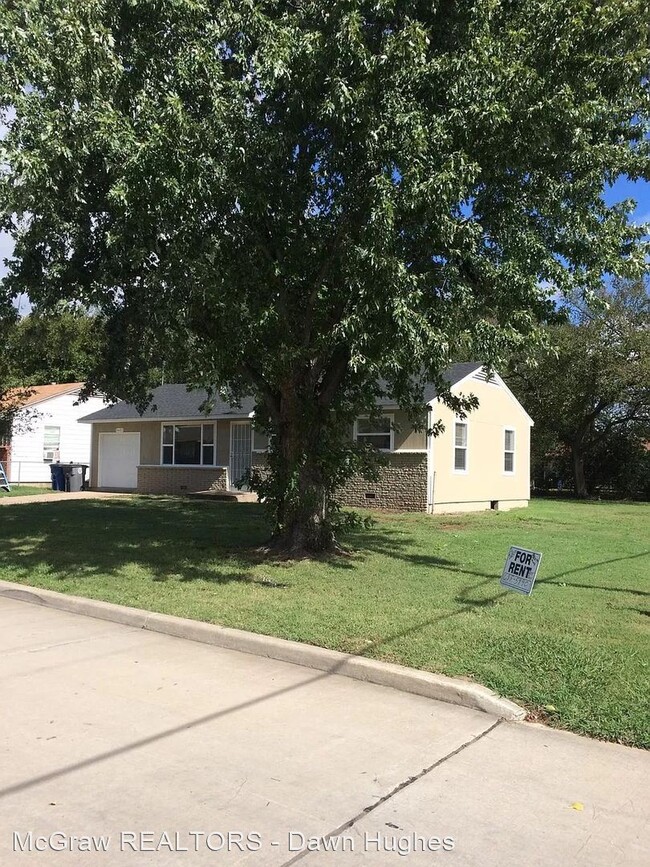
163	746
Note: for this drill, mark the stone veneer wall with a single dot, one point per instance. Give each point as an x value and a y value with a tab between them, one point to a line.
180	480
402	486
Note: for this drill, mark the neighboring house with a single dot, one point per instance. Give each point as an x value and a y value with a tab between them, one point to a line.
480	462
46	430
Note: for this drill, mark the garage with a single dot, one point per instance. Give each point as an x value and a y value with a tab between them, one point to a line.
119	456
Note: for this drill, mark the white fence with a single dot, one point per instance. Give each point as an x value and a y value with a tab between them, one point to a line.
29	472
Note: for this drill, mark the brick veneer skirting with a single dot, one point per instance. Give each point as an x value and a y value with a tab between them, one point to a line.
180	480
402	486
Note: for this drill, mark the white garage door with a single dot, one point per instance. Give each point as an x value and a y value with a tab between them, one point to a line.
119	456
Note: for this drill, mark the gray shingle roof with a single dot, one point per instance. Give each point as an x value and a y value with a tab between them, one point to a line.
453	374
172	402
175	402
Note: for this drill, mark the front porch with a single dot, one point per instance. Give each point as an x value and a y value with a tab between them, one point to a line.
225	496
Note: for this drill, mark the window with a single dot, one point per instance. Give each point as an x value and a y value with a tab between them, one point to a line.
188	444
376	433
509	451
51	443
460	447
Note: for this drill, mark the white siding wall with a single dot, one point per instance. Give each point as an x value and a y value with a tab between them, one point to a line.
27	463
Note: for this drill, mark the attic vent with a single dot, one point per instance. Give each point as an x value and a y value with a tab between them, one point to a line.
482	376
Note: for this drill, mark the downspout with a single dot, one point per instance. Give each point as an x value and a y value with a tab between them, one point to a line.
430	470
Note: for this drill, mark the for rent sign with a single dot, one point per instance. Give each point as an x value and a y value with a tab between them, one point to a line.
520	570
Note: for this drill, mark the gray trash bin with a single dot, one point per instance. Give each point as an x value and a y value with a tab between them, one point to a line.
75	477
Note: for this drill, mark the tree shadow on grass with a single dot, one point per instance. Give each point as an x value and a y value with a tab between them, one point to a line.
170	538
167	538
394	545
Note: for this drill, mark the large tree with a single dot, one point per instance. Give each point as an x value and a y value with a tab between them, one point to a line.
590	395
307	198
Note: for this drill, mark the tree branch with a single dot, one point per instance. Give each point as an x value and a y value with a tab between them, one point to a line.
318	282
334	376
271	398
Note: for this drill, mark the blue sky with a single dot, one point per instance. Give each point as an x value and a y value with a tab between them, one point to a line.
638	190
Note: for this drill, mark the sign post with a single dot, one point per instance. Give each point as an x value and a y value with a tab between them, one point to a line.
520	570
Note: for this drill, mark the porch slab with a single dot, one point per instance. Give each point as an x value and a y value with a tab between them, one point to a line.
228	496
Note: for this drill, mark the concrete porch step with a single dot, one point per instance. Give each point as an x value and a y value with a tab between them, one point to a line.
225	496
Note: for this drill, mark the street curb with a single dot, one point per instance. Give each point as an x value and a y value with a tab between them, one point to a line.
423	683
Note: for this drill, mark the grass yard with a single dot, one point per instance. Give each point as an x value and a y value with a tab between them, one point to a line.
419	590
26	491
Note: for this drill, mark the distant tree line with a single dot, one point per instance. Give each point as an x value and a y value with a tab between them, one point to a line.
60	346
64	346
589	395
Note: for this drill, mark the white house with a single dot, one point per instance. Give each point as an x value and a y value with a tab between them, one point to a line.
46	430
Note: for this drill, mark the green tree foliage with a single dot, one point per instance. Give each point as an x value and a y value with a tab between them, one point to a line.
590	398
7	403
62	346
620	463
301	199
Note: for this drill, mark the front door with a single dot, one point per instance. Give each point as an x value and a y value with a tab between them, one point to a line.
240	450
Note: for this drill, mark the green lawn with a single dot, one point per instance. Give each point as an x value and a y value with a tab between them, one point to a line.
26	491
418	590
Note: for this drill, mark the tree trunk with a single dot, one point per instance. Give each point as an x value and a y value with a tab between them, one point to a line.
302	525
579	472
300	495
305	531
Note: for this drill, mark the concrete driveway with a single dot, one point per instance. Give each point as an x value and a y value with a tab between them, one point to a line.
60	496
125	747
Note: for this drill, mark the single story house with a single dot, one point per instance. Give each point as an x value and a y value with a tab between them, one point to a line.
480	462
45	430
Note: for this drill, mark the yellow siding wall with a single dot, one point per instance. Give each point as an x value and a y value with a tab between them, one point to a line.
485	480
405	439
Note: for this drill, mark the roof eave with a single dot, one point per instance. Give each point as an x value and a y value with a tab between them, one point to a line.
40	400
166	420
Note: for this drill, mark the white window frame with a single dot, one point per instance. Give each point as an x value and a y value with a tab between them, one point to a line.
174	425
506	451
391	417
463	472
